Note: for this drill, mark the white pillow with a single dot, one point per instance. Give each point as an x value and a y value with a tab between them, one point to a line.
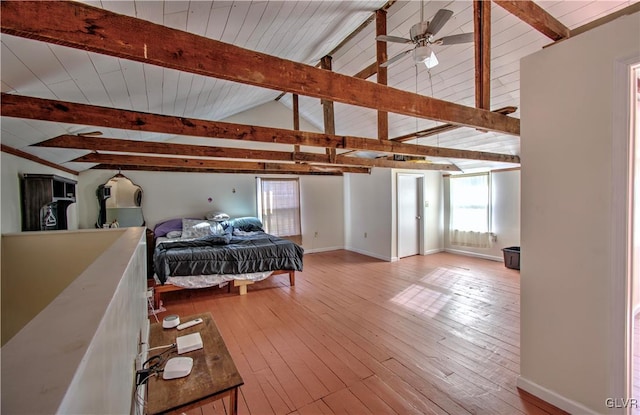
218	216
174	234
197	228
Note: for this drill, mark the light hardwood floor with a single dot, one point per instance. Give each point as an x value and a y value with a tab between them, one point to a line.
435	334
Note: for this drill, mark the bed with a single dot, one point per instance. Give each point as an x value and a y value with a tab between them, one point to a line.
195	253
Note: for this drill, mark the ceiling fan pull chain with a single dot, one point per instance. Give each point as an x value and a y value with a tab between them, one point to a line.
418	137
431	87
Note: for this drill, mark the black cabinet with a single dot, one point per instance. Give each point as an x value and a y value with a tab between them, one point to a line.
45	199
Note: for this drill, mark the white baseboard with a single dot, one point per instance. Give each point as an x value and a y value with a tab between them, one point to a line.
371	254
553	398
395	258
325	249
474	254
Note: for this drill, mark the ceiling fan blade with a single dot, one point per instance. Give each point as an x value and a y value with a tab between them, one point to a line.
455	39
395	39
395	58
439	20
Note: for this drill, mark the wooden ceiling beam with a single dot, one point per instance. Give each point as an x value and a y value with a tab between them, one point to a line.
163	148
84	114
367	72
535	16
444	127
296	118
23	154
193	163
84	27
219	171
482	37
327	110
392	164
190	150
426	133
381	56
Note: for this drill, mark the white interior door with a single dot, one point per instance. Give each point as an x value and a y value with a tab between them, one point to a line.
409	214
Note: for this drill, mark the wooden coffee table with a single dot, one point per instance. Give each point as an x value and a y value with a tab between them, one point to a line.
214	375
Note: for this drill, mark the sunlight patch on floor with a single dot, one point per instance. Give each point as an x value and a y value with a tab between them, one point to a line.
422	297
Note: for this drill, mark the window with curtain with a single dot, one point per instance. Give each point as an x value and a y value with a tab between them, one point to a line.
279	207
469	210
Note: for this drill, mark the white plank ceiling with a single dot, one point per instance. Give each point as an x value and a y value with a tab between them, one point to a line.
302	31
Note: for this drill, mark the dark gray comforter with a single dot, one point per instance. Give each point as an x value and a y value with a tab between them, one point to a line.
226	254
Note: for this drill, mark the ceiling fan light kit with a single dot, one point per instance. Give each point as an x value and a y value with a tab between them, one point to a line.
424	54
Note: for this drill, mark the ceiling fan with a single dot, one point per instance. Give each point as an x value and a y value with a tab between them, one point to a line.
422	35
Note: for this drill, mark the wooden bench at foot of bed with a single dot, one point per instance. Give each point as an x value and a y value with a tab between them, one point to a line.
158	290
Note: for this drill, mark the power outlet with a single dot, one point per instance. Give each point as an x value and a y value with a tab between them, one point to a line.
365	234
315	235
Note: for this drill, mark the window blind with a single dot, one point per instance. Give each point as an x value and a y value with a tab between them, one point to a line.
279	208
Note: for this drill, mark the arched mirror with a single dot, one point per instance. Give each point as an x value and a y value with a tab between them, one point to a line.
120	202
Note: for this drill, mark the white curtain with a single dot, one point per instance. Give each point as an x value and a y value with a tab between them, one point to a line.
470	238
469	199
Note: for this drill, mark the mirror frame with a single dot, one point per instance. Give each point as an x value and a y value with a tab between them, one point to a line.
103	192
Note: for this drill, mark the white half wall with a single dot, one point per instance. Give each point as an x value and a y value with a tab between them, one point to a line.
568	297
77	356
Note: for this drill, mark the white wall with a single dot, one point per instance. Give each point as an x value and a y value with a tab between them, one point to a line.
505	216
78	355
322	201
371	208
10	211
433	222
368	210
568	354
168	195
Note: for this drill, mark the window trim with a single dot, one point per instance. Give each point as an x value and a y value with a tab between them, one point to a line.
489	197
259	180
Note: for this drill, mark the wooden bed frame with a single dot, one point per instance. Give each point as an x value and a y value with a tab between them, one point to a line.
158	290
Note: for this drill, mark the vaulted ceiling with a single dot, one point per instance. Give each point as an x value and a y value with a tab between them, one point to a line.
298	31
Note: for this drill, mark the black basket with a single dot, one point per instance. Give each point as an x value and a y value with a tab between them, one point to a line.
512	257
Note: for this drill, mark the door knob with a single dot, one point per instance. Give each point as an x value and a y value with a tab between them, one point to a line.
418	217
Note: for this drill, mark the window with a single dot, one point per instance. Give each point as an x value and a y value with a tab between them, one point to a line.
279	207
469	210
